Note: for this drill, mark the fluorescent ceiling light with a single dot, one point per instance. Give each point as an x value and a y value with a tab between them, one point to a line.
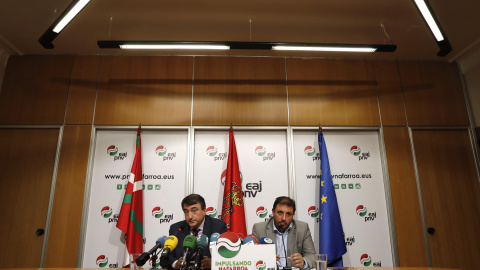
323	49
429	19
174	47
70	15
242	45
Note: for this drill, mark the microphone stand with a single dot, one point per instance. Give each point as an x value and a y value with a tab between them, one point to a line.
154	260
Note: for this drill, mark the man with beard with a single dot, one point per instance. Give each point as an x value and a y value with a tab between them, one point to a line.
292	238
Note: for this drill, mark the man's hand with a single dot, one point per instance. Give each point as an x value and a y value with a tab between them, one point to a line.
297	260
206	263
178	263
278	258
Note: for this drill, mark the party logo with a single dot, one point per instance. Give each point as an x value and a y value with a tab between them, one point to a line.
228	244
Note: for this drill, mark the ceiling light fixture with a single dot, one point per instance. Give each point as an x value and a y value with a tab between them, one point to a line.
237	45
323	49
429	17
174	47
66	17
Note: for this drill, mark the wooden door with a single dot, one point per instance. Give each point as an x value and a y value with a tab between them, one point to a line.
451	196
26	167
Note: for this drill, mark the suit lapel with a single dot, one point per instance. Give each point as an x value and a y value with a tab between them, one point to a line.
292	236
269	231
207	227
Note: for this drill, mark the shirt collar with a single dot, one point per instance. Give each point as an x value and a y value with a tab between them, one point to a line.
200	228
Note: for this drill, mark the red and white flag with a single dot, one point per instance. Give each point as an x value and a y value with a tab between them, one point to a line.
130	219
233	212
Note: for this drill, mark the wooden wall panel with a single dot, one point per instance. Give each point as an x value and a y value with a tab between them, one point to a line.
332	92
241	91
26	169
390	95
451	196
83	90
147	90
66	217
35	90
433	94
405	199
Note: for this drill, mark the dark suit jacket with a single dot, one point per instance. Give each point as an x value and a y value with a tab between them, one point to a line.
299	239
212	225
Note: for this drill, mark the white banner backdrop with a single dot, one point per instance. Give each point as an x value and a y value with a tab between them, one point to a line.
356	168
355	163
164	158
262	158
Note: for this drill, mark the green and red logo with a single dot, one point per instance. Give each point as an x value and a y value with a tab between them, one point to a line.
157	212
211	212
112	150
260	265
224	176
361	210
102	261
260	151
355	150
228	244
262	212
365	260
161	150
211	150
313	211
309	151
106	211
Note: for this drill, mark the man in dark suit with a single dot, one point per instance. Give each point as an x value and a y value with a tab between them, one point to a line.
293	240
196	223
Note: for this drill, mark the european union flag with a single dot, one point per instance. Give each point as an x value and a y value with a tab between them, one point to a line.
332	240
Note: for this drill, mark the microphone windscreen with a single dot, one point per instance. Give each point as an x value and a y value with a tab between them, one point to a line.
249	241
254	238
202	241
161	241
190	242
266	240
171	243
214	237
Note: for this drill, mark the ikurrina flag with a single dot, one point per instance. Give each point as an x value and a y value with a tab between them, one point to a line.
130	219
332	240
233	212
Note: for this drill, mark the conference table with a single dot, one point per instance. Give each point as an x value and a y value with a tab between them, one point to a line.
332	268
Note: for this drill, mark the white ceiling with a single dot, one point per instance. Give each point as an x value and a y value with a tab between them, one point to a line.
22	22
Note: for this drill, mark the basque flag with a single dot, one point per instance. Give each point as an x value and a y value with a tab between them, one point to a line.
130	219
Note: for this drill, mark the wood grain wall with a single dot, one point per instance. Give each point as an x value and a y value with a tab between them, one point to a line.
451	196
27	164
67	207
81	91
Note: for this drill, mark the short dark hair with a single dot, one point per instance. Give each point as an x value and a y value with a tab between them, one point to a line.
193	199
284	200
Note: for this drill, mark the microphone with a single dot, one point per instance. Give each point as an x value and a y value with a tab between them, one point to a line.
202	243
213	239
266	240
170	245
180	229
250	240
189	244
143	258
